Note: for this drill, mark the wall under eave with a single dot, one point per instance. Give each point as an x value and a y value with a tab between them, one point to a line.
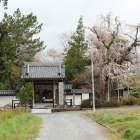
125	94
4	100
77	99
85	96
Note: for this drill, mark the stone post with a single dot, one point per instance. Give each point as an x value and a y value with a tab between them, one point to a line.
61	94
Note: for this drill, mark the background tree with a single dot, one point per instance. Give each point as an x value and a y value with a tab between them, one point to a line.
22	30
51	55
84	80
17	44
111	51
7	53
133	35
5	2
26	94
65	38
75	60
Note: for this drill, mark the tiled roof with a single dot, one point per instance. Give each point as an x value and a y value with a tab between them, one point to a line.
67	87
37	70
7	93
124	87
81	91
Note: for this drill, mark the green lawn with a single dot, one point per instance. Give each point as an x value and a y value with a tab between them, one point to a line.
124	123
18	125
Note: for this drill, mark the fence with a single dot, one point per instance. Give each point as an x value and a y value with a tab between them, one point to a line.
69	102
15	103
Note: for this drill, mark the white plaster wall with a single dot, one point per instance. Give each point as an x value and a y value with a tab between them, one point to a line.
85	96
125	94
4	100
69	97
77	99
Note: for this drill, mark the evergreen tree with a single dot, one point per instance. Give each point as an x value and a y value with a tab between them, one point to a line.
5	3
17	44
75	60
22	29
7	50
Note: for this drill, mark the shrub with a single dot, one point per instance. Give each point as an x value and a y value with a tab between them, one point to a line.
111	104
135	94
86	103
131	101
99	103
26	93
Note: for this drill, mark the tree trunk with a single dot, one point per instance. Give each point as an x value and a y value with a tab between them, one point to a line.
137	61
118	92
108	89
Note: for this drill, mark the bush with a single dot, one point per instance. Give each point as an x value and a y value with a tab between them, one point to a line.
86	103
131	101
111	104
99	103
26	93
135	94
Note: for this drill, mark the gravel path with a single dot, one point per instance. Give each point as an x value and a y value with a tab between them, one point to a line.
68	126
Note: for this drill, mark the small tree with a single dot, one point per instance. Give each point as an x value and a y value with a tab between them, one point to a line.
26	93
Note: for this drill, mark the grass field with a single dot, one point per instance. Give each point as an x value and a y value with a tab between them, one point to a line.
18	125
124	123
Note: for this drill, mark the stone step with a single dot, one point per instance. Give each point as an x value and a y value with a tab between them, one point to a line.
37	110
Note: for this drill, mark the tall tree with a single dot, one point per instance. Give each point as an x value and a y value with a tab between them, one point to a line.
5	2
17	42
22	29
7	53
7	50
75	60
111	50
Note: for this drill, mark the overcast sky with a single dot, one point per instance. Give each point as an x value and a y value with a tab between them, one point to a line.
60	16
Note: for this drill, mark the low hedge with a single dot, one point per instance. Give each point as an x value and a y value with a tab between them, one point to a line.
99	103
135	94
131	101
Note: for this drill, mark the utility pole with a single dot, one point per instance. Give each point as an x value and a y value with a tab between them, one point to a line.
93	95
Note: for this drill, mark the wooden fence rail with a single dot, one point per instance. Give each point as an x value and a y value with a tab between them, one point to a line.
15	103
69	101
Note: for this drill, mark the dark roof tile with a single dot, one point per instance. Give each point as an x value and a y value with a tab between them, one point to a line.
67	87
43	70
8	93
81	91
